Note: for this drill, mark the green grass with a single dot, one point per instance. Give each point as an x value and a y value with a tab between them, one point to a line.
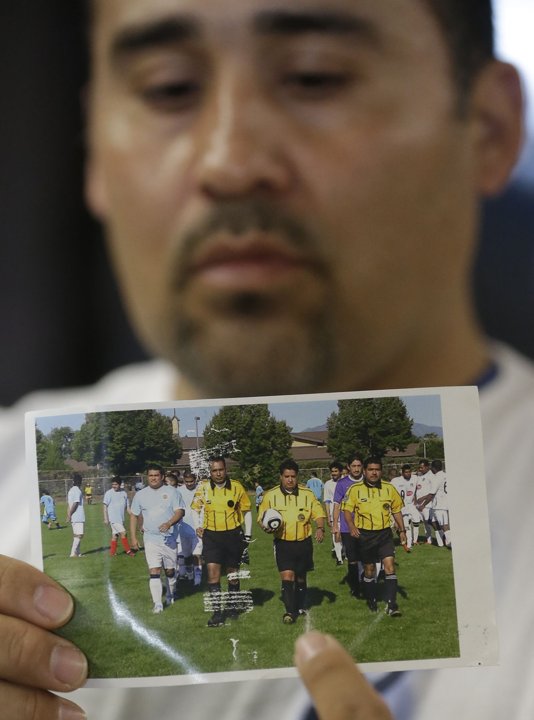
178	641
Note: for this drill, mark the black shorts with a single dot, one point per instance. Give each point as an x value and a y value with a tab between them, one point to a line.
351	546
296	555
375	545
223	547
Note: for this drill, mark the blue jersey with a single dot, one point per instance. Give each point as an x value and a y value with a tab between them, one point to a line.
49	506
316	486
116	502
157	506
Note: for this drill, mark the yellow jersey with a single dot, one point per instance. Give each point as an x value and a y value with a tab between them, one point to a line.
297	509
223	506
372	505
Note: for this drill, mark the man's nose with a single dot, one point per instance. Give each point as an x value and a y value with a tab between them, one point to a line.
241	149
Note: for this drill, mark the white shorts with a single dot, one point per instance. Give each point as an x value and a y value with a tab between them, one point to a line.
117	528
158	554
442	516
188	541
77	528
411	512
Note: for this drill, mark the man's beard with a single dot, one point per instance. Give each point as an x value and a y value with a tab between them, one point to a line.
254	357
252	343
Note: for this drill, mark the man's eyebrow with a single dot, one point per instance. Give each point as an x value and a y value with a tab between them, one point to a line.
282	22
156	33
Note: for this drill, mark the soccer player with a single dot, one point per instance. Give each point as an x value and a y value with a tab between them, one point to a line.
88	492
189	543
426	490
315	484
49	510
221	506
161	507
369	508
406	486
76	514
336	471
342	533
440	504
293	547
115	503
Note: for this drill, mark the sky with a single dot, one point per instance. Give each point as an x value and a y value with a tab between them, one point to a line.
299	416
514	23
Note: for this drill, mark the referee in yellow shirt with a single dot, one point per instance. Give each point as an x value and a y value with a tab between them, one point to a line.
293	546
221	506
374	503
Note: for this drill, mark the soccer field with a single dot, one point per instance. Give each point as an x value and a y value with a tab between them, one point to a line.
115	627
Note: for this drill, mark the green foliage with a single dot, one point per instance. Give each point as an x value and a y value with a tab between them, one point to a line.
126	442
53	449
262	441
431	446
370	427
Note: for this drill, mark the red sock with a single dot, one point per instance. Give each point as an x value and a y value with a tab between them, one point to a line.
125	544
113	548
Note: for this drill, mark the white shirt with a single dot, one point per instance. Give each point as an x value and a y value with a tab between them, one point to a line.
472	693
440	501
116	502
157	505
75	495
406	488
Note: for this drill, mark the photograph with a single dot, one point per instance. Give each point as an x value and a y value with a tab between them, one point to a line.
200	539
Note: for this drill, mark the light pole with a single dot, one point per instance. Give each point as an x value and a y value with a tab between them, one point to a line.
196	430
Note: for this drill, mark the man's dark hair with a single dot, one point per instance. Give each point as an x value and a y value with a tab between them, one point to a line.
217	458
336	464
469	33
288	465
372	460
156	466
406	467
353	457
77	479
436	465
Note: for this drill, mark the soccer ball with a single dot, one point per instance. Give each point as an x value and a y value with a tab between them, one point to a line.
272	519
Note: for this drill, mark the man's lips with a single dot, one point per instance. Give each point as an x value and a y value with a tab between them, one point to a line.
245	262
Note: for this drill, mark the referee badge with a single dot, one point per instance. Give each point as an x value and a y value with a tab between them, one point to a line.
386	506
231	503
301	517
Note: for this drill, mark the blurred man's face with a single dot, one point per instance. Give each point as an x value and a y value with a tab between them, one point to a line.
373	473
218	472
155	479
289	480
355	468
335	473
266	170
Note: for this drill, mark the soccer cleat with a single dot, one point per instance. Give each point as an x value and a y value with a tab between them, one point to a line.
392	610
130	553
302	612
372	605
339	563
198	579
406	548
288	619
216	620
157	609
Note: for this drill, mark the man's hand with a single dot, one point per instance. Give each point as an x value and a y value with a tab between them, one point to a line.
338	689
32	659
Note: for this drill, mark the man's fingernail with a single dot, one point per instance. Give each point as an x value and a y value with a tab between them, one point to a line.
68	711
54	604
310	645
68	665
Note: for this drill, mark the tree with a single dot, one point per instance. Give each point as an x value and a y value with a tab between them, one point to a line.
370	427
53	449
126	441
262	441
431	446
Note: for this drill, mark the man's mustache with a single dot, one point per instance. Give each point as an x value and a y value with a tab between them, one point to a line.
238	218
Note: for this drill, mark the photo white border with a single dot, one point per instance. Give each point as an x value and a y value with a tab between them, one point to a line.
473	580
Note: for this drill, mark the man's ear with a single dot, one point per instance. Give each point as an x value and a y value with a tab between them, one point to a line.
497	119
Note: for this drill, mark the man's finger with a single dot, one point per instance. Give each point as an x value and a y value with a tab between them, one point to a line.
338	689
27	704
38	658
31	595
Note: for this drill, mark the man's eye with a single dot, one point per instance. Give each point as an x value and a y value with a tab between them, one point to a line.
172	96
316	83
